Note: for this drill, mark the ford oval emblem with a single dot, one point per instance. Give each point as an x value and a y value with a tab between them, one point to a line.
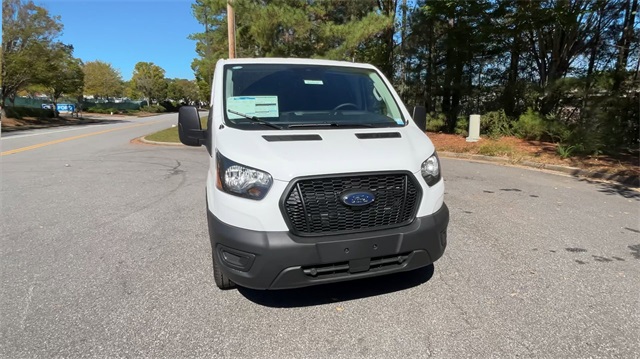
357	198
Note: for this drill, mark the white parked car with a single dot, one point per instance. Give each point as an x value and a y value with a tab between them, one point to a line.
317	174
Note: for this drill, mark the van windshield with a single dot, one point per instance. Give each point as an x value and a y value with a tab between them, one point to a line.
283	96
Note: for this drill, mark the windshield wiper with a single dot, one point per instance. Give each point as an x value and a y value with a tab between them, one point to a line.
331	124
255	119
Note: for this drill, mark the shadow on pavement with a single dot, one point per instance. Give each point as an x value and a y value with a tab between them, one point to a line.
615	189
339	292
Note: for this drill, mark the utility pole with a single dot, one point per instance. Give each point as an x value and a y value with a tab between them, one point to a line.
231	29
403	55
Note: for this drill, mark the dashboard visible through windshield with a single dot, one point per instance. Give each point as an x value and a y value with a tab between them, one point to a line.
284	96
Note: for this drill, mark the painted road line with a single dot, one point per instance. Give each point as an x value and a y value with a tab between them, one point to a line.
7	136
33	147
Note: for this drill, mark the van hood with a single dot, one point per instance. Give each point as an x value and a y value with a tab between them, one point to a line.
290	154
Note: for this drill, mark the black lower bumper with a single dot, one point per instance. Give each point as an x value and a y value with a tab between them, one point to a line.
279	260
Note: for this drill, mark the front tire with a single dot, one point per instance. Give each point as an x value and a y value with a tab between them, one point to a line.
221	280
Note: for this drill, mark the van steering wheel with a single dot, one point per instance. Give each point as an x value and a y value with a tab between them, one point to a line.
346	104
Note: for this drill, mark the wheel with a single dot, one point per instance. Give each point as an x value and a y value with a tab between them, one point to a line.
221	280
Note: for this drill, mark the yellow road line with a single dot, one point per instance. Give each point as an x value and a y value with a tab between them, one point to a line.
33	147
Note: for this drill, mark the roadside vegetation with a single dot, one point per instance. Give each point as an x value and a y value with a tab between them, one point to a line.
171	134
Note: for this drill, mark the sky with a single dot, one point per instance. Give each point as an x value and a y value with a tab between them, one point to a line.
124	33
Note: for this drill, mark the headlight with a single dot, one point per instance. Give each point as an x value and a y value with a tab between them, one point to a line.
430	170
240	180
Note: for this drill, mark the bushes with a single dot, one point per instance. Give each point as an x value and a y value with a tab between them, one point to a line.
20	112
154	109
166	106
530	126
109	111
565	151
495	124
435	123
462	126
101	110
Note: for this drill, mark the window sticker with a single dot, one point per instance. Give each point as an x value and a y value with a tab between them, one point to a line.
259	106
399	121
313	82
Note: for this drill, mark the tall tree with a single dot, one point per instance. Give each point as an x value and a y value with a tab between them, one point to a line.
211	44
65	74
148	78
28	34
335	29
101	80
183	90
130	91
627	37
556	36
388	8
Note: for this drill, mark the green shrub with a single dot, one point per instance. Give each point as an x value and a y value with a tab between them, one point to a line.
462	126
94	110
495	124
556	131
170	106
435	122
154	109
20	112
106	111
566	151
587	141
530	126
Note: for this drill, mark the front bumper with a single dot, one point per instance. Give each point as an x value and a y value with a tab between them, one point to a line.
279	260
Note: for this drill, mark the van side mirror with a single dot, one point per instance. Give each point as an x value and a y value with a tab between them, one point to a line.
189	127
420	117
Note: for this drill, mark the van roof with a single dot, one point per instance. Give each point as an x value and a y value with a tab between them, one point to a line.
295	61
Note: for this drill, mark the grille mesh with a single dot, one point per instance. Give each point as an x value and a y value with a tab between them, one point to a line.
313	206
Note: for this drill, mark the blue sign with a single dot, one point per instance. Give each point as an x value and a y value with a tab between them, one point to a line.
47	106
64	107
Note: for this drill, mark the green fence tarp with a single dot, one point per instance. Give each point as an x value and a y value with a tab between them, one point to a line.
37	103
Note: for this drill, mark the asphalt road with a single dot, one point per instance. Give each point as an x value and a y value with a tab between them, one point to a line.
104	253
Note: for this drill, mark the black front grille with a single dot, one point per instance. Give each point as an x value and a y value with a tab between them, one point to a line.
313	205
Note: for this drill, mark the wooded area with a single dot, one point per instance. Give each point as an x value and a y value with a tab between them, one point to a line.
559	70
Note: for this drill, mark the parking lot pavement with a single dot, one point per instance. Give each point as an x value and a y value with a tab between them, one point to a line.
104	252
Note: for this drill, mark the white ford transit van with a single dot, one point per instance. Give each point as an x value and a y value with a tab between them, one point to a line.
317	174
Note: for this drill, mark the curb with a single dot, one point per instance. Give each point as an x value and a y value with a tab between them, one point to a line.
633	181
143	139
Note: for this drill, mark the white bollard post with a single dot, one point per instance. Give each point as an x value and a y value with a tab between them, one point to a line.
474	128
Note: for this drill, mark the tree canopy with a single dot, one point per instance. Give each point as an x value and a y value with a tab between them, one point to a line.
571	64
65	74
28	38
101	80
182	90
148	78
334	29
